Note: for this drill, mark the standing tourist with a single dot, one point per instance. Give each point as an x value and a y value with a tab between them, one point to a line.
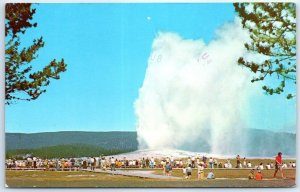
201	171
57	165
204	158
92	160
163	164
278	164
152	163
34	162
103	164
189	171
211	162
168	168
184	173
29	162
238	161
189	161
112	164
215	162
193	161
172	161
147	162
84	164
244	163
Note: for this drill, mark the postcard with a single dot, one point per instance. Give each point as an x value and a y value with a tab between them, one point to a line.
150	95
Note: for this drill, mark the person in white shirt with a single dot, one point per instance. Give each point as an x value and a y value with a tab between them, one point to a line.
211	162
193	161
184	173
249	165
268	166
152	159
229	164
97	163
151	163
92	161
112	164
172	161
189	161
17	164
261	166
215	162
40	163
226	165
200	171
103	163
244	162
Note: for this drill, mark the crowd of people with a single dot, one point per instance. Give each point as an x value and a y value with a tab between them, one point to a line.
279	165
81	163
187	172
166	164
256	172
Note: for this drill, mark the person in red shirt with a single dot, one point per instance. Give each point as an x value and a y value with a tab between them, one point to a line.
278	164
258	176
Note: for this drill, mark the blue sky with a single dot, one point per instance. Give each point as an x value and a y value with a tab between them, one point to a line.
106	47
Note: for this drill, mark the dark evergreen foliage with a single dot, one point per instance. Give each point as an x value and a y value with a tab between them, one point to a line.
273	33
22	82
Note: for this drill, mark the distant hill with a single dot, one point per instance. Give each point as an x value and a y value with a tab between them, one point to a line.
256	143
259	142
65	151
106	140
265	143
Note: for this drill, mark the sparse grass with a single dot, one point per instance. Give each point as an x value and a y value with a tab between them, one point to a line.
232	173
65	179
88	179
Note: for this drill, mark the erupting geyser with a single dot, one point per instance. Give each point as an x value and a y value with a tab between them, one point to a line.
194	96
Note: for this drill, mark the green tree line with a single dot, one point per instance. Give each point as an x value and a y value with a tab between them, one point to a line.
65	151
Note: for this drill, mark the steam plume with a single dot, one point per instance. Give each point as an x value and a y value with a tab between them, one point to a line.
194	95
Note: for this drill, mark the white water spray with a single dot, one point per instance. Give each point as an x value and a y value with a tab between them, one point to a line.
194	95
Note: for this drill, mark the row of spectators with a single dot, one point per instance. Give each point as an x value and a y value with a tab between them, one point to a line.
105	162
